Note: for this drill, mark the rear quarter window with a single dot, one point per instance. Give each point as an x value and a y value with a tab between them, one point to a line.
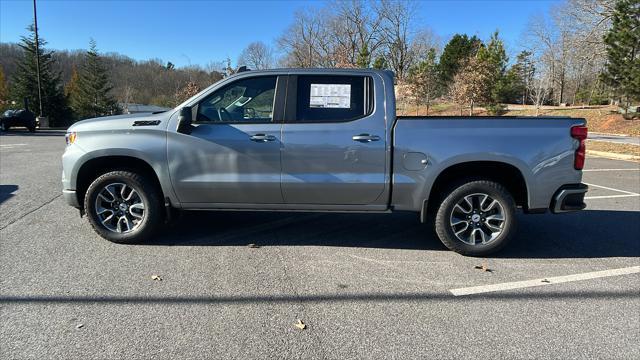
333	98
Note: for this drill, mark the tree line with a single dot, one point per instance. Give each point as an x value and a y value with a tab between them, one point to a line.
581	52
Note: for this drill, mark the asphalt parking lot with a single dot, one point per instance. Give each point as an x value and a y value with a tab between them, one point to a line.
383	291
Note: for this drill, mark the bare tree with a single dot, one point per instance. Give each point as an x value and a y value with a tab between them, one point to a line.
539	89
257	55
306	41
398	17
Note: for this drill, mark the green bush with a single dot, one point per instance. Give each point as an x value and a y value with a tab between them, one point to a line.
496	109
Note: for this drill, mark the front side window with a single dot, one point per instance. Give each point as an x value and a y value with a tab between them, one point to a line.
247	100
332	98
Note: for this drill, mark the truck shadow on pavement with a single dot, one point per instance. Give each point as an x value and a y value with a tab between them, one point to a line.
586	234
6	192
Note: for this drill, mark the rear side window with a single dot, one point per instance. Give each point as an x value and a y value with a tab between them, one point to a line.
333	98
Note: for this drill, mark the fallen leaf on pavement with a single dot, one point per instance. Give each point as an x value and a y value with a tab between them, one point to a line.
546	281
79	326
300	325
156	277
253	246
483	268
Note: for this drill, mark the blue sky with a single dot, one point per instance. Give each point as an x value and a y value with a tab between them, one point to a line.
197	32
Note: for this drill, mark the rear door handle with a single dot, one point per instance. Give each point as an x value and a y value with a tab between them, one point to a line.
365	138
262	138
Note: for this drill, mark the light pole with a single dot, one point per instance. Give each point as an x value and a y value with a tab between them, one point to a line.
35	23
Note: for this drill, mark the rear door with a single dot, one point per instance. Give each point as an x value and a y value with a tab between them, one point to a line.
232	155
333	141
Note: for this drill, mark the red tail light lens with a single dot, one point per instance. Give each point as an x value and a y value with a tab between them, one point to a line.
579	133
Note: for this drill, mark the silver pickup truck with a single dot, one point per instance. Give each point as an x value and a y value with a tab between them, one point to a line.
322	140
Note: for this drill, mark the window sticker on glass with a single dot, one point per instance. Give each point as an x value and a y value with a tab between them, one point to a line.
337	96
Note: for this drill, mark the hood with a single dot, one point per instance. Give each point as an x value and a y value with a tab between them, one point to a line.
122	122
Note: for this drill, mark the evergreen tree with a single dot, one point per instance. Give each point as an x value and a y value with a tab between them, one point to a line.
423	80
364	57
379	63
455	53
495	57
25	82
622	70
92	97
523	71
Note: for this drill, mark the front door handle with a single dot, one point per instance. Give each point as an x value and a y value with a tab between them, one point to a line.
365	138
262	138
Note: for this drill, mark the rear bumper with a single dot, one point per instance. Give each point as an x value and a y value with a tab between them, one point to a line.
71	198
569	198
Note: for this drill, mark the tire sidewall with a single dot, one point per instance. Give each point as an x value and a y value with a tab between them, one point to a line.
497	192
150	220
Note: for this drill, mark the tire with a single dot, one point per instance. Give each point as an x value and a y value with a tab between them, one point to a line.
466	207
31	129
111	194
4	127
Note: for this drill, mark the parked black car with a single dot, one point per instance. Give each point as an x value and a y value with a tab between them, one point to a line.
15	118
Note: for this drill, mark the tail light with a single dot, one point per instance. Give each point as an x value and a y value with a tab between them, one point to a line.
579	133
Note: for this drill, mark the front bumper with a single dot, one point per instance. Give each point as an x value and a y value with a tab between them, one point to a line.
71	198
569	198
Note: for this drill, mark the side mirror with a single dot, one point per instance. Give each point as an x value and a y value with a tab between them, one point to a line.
185	118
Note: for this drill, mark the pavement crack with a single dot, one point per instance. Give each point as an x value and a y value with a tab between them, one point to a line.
31	211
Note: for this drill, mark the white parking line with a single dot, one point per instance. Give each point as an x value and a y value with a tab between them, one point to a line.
610	196
612	189
544	281
7	145
590	170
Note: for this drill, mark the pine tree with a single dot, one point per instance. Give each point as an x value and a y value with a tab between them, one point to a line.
622	70
380	63
495	57
93	96
525	70
25	82
423	80
364	57
455	53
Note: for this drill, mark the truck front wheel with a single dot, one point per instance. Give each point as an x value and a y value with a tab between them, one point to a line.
476	218
124	207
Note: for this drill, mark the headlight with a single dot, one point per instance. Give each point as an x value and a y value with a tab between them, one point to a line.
70	137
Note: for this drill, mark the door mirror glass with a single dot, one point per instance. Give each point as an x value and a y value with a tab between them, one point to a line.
185	118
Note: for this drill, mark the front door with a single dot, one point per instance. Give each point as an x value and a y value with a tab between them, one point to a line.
232	155
334	142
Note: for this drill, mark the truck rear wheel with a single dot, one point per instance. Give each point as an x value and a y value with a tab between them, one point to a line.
124	207
476	218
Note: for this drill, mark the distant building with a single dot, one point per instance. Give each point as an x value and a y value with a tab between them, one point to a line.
140	108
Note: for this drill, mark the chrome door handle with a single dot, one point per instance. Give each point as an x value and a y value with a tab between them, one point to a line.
365	138
262	138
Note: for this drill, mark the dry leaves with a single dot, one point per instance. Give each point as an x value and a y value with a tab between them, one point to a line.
300	325
484	268
156	277
79	326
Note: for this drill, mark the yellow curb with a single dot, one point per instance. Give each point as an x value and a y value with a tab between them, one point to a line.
615	156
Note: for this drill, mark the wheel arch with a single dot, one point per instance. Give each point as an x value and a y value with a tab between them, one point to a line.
503	173
97	166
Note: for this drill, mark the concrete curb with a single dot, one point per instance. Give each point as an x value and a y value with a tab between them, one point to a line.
615	156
